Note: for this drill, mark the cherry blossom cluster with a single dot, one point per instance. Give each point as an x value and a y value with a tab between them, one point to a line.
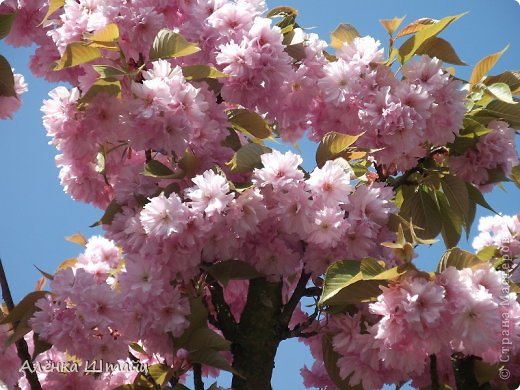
469	312
10	104
494	153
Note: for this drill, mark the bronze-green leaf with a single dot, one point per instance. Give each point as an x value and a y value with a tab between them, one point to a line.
249	122
6	21
111	211
391	25
333	145
458	258
6	78
201	72
247	157
451	221
169	44
423	211
440	48
108	72
344	33
107	87
26	305
415	26
154	168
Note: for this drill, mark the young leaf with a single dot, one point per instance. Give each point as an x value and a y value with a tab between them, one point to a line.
6	21
500	110
410	47
333	145
337	276
282	11
391	25
200	72
415	26
487	253
6	79
68	263
511	78
440	48
225	271
160	373
247	157
344	33
154	168
110	88
77	53
25	306
458	258
484	66
169	44
106	37
249	122
77	238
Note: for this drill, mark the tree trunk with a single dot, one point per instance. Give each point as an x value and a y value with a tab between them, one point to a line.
258	336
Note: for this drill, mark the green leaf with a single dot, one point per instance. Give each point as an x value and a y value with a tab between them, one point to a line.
247	158
456	194
370	268
249	123
201	72
169	44
203	339
410	47
136	347
337	276
334	145
40	345
475	195
458	258
25	306
160	373
502	92
415	26
107	72
344	33
6	21
54	5
106	38
424	212
110	88
6	79
282	11
484	66
451	221
197	319
488	252
225	271
77	53
190	164
440	48
515	175
112	209
154	168
211	358
391	25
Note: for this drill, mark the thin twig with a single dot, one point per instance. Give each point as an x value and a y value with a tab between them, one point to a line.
197	377
21	345
298	293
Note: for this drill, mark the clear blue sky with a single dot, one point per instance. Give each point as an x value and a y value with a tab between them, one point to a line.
35	214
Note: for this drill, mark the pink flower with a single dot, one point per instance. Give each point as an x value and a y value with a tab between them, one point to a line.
210	193
331	183
279	170
163	216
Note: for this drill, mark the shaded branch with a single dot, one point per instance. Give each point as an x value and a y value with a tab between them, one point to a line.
433	372
299	292
225	320
197	377
21	345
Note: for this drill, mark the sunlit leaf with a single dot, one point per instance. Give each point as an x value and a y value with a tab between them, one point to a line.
6	79
169	44
6	21
68	263
106	87
391	25
410	46
160	373
77	238
515	175
502	92
282	11
415	26
488	252
344	33
511	78
77	53
247	157
500	110
485	65
107	35
333	145
249	122
440	48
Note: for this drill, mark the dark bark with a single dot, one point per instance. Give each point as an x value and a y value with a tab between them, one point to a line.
258	336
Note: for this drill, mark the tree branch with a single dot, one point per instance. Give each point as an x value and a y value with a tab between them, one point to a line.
21	345
433	372
197	377
298	293
225	320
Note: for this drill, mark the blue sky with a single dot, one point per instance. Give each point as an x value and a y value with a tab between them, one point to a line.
35	214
